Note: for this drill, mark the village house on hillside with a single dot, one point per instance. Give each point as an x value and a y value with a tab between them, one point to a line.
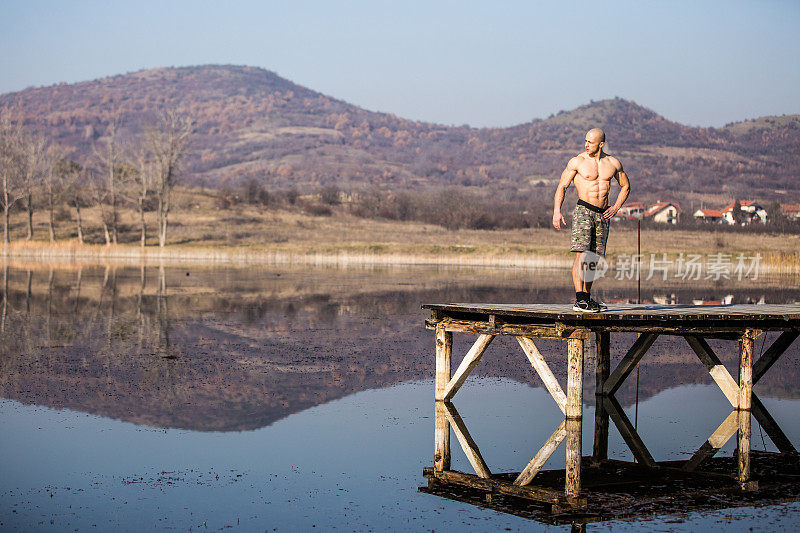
670	212
791	212
750	212
709	215
664	212
631	210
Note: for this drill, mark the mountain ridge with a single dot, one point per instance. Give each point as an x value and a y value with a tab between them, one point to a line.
253	124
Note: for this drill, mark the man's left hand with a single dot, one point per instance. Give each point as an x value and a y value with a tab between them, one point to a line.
610	212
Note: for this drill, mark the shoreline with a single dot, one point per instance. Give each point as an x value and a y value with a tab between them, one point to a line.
245	256
775	263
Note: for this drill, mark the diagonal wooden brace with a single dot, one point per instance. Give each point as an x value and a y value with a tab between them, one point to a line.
774	432
772	354
541	457
465	440
628	432
715	442
540	365
718	372
470	360
629	362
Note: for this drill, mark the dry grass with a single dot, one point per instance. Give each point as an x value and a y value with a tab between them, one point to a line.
199	231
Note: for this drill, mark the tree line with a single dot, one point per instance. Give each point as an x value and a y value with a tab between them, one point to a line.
142	170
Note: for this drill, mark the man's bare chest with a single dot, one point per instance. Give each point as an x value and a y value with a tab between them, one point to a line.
590	170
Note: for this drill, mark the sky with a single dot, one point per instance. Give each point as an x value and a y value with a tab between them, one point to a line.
483	63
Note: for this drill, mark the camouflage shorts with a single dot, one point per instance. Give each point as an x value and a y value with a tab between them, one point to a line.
589	231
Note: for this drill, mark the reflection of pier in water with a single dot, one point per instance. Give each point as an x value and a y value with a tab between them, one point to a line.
587	479
238	349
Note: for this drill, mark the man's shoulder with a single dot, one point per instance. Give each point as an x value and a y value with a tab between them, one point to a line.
577	160
614	161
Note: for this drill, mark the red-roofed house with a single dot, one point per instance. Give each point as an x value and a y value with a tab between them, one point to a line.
752	212
791	211
631	210
709	215
664	212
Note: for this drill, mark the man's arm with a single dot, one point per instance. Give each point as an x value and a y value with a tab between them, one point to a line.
563	184
624	191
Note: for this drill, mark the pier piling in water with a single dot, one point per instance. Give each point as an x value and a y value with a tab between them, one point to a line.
527	323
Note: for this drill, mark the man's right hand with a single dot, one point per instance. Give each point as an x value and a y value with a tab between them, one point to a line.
558	219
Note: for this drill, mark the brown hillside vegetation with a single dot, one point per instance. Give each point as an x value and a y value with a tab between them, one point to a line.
252	124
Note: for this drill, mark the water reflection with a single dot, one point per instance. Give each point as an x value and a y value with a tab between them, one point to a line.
238	349
313	363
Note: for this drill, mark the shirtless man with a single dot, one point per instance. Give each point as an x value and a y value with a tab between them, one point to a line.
592	172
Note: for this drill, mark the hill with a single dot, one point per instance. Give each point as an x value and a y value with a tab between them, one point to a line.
253	124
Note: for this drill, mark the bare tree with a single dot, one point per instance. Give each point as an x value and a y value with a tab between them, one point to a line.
109	160
143	179
12	169
99	194
168	141
75	179
60	175
34	164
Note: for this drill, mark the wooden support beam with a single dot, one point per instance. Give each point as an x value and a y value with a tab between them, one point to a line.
541	457
572	483
775	433
540	365
773	353
504	487
745	401
574	408
498	328
715	332
470	360
444	350
441	433
715	442
465	439
574	414
743	449
746	369
603	363
629	362
628	432
718	372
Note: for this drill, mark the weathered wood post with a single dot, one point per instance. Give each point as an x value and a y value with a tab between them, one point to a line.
744	406
574	416
444	349
603	361
441	454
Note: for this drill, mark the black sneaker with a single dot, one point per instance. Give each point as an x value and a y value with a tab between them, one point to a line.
586	306
600	305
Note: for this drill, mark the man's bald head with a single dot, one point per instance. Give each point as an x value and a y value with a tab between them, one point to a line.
595	139
597	135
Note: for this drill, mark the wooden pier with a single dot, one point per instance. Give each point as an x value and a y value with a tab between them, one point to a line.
527	323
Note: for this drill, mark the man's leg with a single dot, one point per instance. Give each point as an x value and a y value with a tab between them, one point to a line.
578	276
601	229
582	298
582	240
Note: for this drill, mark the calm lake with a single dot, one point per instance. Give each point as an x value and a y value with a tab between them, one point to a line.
302	398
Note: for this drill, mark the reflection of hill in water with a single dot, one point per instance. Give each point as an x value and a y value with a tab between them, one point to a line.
239	349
